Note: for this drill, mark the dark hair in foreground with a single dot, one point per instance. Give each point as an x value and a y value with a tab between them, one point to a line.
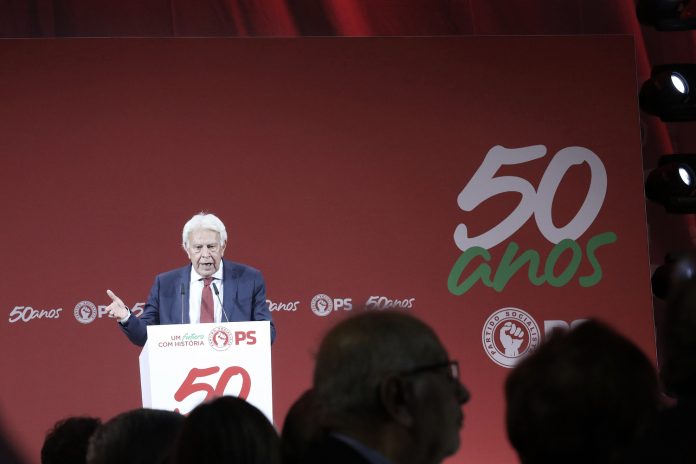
140	436
587	395
678	370
301	429
227	429
67	441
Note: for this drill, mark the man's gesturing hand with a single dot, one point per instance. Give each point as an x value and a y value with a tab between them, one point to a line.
117	309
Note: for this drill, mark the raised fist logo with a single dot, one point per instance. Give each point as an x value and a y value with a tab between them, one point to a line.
220	338
511	336
85	312
508	335
321	305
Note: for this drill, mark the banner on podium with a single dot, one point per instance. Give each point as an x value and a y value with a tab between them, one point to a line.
183	365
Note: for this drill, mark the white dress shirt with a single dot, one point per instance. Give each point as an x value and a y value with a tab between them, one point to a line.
196	293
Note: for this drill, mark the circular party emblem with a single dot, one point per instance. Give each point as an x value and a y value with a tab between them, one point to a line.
510	334
321	305
220	338
85	312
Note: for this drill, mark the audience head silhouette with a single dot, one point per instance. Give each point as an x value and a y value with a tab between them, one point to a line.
140	436
301	429
67	442
587	395
384	384
227	429
678	370
672	440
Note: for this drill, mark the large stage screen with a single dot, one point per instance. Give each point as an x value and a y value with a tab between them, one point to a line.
490	186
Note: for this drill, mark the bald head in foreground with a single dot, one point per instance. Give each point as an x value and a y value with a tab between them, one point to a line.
386	392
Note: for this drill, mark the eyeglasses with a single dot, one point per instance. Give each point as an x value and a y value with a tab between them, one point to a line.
451	366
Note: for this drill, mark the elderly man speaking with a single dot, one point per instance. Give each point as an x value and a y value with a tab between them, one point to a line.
210	289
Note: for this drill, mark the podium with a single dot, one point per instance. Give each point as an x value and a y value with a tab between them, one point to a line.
183	365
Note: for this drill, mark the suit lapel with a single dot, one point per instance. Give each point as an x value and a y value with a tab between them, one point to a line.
185	280
230	293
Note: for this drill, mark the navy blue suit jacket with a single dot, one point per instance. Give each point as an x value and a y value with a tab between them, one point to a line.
244	299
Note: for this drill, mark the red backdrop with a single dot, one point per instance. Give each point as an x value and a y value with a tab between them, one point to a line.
336	165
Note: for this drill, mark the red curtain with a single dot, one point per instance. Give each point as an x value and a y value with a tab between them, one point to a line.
288	18
187	18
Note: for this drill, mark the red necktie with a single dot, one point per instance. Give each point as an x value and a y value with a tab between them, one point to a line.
207	305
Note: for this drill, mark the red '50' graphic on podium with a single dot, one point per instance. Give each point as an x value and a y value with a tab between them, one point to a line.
189	386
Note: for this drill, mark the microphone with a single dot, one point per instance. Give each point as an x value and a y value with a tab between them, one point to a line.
183	292
217	294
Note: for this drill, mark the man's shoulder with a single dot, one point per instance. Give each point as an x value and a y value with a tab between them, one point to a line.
239	269
174	274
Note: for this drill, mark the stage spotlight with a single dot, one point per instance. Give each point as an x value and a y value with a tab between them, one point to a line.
670	179
667	15
673	183
678	269
670	93
679	83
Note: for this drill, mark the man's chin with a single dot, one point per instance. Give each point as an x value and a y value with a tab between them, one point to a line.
206	271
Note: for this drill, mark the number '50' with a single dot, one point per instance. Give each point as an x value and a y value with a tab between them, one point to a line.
484	185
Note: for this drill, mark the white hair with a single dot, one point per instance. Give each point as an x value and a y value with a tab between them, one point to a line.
203	221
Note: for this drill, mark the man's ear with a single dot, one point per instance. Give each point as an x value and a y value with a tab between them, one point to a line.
222	248
396	396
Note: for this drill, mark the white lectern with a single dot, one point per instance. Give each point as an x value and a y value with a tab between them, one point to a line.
183	365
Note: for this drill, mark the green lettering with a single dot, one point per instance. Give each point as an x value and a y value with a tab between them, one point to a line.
595	242
509	266
556	252
482	272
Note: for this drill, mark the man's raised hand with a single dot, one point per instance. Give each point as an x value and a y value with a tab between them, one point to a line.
116	309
